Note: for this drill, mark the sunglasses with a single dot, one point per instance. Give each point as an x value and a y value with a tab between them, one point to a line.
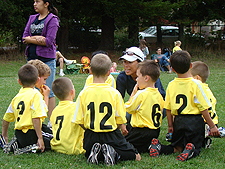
132	53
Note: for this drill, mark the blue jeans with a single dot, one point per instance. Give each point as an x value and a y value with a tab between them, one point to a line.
51	78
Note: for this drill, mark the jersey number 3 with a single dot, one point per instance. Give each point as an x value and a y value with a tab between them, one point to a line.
91	107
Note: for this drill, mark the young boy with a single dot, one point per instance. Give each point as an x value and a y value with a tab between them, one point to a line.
200	71
187	101
146	107
28	110
67	136
43	73
100	110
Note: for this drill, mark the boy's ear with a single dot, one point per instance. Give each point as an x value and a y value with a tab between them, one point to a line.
190	66
147	78
38	79
108	73
173	69
19	82
90	70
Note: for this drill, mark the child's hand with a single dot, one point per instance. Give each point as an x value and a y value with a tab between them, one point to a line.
135	89
41	144
124	130
45	90
214	131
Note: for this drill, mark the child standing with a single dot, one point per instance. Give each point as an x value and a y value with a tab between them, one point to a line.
187	101
28	110
67	136
177	45
146	107
100	110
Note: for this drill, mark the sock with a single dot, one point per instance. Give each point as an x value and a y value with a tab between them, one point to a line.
60	71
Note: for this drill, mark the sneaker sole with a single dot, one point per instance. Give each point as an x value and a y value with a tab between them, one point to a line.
108	160
92	159
187	153
154	148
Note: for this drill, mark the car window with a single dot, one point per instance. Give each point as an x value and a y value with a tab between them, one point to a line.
170	32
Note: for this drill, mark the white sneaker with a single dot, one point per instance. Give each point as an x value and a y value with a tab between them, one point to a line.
69	62
61	74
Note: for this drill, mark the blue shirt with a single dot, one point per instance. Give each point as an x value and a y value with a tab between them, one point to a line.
126	83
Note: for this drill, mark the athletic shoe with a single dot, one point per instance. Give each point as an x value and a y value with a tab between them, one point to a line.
61	74
11	146
69	62
222	131
28	149
110	155
208	142
93	157
2	141
155	148
187	153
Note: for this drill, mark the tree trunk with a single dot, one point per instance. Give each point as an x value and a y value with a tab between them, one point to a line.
107	34
159	35
63	37
133	30
181	32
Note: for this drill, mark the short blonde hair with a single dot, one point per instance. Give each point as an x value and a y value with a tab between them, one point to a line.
43	69
100	65
177	43
61	87
200	68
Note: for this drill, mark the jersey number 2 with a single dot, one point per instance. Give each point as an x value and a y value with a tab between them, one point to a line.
91	107
182	107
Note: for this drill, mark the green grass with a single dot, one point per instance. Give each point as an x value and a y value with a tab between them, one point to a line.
209	158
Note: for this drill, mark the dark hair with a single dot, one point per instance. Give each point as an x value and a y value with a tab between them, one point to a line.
62	87
99	52
180	61
150	68
51	7
28	75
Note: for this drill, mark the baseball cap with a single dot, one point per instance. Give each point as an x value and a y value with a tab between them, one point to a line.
132	54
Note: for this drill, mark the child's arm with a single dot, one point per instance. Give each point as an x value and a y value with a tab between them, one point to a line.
45	90
135	89
170	120
37	127
5	126
213	129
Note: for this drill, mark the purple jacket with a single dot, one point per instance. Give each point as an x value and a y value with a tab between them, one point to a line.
49	32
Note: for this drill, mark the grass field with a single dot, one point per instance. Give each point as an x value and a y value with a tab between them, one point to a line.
209	158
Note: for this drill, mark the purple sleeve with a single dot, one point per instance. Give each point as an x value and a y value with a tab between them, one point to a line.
51	32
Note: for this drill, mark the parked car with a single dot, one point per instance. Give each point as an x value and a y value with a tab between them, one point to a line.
169	34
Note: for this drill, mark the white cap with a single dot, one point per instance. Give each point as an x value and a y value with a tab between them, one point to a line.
132	54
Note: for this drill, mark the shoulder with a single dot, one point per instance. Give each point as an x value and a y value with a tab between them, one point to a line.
52	18
122	76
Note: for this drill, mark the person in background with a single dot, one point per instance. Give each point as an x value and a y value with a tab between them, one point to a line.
177	45
39	35
144	48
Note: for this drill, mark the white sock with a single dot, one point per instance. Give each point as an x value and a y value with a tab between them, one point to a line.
60	71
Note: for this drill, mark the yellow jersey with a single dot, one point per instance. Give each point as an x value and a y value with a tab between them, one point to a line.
99	107
146	108
67	136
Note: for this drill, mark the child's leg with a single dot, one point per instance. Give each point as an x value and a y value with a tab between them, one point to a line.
26	139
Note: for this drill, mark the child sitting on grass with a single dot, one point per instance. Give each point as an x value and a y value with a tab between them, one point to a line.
100	111
200	71
187	102
146	107
28	110
67	136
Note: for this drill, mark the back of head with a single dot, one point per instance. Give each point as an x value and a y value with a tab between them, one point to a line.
143	44
177	43
62	87
201	69
100	65
150	68
51	7
28	75
180	61
43	69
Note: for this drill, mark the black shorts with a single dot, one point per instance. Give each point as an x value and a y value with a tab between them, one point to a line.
114	139
188	129
141	138
30	138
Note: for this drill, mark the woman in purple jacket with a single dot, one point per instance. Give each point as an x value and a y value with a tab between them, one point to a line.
39	35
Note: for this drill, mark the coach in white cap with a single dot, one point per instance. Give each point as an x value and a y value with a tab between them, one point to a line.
126	80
